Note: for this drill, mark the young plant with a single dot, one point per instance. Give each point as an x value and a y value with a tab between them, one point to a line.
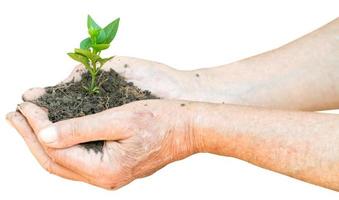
90	48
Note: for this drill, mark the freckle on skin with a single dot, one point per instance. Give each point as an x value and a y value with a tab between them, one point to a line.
197	75
125	66
182	104
145	104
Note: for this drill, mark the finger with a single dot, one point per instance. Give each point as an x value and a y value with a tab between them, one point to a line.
75	75
78	159
20	124
33	94
101	126
89	164
35	115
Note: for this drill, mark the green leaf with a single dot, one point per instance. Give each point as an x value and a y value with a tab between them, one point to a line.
80	58
86	43
89	89
111	30
86	88
87	53
96	89
91	24
93	27
101	38
100	47
102	61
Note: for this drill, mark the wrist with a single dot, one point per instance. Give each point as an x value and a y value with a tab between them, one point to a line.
213	132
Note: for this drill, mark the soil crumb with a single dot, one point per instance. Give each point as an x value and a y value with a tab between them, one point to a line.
70	100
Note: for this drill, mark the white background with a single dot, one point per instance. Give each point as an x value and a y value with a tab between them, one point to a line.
35	36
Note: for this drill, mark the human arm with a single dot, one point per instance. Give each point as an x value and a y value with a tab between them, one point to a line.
142	137
180	78
301	75
302	145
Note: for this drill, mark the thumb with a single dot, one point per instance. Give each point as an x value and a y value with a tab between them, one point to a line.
79	130
101	126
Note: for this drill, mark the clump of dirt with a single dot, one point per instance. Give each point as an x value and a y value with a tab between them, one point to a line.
70	100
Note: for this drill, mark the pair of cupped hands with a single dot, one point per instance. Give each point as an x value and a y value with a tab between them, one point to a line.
140	137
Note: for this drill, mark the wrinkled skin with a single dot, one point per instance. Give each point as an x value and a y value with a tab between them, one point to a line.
141	137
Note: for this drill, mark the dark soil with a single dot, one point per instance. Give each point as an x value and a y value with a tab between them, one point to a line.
71	100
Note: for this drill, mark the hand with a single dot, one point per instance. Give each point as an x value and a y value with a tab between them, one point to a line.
141	137
162	80
143	73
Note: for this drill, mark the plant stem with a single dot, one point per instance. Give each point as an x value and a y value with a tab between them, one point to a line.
93	65
93	84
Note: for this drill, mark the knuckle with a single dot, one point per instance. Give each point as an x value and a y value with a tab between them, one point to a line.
74	129
107	187
69	130
112	187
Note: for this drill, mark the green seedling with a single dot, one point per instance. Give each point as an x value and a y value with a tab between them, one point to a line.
90	48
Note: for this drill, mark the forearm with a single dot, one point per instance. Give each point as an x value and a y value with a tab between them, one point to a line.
298	144
303	75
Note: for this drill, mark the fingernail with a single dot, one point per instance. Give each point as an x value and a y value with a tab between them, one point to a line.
48	135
